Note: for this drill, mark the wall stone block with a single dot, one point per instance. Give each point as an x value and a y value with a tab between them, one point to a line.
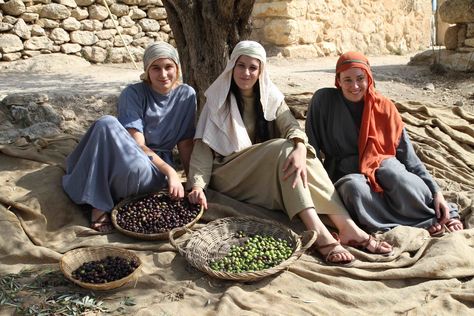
98	12
59	36
69	48
83	38
149	25
13	7
84	3
94	54
120	9
80	14
21	29
55	11
39	43
10	43
68	3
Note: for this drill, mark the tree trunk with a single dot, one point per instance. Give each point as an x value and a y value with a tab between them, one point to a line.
205	32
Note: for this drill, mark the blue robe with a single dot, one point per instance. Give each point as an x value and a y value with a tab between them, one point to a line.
108	165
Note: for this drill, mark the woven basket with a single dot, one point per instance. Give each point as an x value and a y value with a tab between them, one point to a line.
213	242
157	236
73	259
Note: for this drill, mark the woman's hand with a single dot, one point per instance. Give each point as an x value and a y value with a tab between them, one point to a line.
175	187
197	196
441	208
296	164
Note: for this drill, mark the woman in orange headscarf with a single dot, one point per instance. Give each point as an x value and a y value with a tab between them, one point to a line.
368	155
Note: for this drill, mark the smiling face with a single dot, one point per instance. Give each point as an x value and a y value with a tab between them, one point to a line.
163	74
245	74
354	84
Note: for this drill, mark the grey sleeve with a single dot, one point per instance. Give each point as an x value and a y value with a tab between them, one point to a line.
406	155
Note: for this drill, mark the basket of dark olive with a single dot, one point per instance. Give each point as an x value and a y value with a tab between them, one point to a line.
242	248
151	216
100	268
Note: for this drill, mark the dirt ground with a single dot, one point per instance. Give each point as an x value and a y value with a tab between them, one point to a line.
58	74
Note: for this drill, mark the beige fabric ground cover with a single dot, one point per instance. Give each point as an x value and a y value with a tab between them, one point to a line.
425	276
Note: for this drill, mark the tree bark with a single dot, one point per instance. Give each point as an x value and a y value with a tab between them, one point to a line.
205	32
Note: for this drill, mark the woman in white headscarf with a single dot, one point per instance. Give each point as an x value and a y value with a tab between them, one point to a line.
132	154
249	146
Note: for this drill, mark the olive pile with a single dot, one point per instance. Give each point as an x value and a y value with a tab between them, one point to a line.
154	214
106	270
256	253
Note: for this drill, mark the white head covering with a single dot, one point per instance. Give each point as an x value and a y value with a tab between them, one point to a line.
156	51
221	127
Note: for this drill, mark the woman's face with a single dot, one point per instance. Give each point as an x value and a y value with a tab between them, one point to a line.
354	84
163	74
245	74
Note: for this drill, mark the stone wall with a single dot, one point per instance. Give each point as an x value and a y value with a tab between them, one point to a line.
459	13
293	28
304	28
81	27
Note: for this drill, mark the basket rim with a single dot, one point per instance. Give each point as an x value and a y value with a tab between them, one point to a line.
143	236
99	286
248	275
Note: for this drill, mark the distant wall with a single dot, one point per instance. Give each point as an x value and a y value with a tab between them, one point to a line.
81	27
292	28
308	28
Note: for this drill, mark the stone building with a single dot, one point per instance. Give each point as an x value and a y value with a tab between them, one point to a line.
115	31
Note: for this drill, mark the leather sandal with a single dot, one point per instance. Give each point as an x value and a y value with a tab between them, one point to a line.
331	256
453	222
365	244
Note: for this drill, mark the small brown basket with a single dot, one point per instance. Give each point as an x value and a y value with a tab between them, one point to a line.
214	240
73	259
157	236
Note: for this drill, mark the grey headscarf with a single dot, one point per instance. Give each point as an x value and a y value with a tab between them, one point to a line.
155	51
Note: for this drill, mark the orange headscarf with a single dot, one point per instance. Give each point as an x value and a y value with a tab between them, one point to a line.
381	125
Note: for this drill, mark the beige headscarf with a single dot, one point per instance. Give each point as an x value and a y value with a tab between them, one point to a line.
221	127
156	51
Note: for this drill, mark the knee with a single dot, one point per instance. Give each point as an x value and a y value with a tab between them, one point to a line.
106	121
394	176
352	186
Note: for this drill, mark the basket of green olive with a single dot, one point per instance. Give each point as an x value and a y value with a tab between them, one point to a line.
100	268
242	248
151	216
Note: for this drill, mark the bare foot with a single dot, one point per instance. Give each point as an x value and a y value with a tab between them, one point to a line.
436	230
100	221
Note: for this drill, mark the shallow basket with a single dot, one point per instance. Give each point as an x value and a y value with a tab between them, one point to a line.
214	240
157	236
73	259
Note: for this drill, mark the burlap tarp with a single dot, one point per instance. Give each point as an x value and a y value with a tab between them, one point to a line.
425	276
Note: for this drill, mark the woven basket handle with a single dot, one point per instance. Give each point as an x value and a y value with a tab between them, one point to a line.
173	241
308	238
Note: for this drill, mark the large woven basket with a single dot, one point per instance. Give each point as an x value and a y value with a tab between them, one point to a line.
213	242
73	259
157	236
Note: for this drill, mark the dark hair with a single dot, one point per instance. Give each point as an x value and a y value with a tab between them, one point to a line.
261	125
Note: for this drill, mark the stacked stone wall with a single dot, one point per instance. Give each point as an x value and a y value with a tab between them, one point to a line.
293	28
305	28
81	27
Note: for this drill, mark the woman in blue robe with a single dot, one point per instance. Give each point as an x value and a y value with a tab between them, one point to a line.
132	154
